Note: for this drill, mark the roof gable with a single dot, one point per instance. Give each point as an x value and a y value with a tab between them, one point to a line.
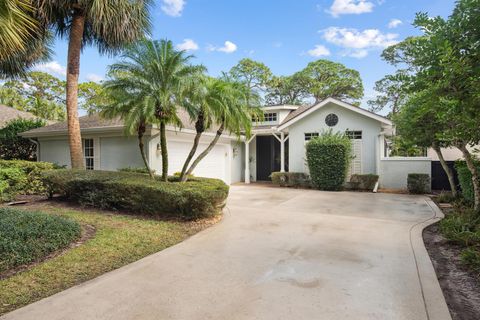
303	112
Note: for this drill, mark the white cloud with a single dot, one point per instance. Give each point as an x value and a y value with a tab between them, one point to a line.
187	45
319	51
340	7
394	23
358	43
173	8
94	77
52	67
228	47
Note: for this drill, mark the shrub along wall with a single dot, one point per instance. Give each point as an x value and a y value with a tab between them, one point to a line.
139	194
363	181
29	236
291	179
419	183
328	158
21	177
465	179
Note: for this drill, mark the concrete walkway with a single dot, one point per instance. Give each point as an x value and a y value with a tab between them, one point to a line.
278	254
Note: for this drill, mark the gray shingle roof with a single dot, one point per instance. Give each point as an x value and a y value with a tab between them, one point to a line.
8	114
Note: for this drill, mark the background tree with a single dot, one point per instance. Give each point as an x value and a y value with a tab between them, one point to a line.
287	89
12	146
391	93
37	92
110	25
92	97
331	79
253	74
155	77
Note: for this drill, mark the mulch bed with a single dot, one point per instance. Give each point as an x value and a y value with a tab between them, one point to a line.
461	286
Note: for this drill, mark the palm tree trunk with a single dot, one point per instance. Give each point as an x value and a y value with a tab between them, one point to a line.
446	168
141	132
163	146
73	70
200	128
475	177
207	150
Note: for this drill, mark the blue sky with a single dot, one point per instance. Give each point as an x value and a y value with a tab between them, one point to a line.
283	34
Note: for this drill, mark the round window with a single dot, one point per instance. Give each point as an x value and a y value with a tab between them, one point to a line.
331	120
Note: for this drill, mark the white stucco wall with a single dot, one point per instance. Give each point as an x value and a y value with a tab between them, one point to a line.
238	160
347	120
253	159
119	152
55	151
394	171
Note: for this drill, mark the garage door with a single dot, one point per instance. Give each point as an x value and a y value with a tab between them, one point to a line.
212	166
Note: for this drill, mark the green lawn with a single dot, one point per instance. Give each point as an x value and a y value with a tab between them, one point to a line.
118	240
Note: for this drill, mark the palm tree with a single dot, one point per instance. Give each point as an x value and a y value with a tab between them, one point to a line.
226	103
156	78
24	40
109	24
132	113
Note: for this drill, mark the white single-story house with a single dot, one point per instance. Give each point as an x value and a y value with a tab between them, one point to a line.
276	144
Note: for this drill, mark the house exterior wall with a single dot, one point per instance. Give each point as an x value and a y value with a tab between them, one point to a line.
394	171
450	154
238	162
55	151
252	162
119	152
347	120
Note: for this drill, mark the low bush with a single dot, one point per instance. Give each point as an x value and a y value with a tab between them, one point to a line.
419	183
462	227
29	236
446	197
363	181
291	179
471	257
328	159
12	182
139	194
31	172
135	170
465	179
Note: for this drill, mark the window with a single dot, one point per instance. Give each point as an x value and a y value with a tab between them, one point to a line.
270	117
310	135
88	153
354	135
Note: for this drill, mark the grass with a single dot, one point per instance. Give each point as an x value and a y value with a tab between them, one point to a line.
119	240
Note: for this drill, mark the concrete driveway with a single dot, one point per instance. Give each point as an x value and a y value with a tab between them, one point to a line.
278	254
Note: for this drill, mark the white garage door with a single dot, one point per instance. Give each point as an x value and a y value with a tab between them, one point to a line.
212	166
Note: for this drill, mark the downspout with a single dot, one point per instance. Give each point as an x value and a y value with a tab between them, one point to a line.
37	149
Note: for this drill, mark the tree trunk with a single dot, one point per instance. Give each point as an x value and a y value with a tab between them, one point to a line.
207	150
141	132
446	168
163	146
473	170
200	128
73	70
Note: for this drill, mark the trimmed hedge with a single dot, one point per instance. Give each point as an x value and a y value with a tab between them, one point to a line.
29	236
291	179
363	181
465	179
328	158
419	183
139	194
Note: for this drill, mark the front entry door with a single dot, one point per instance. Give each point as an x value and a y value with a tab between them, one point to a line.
268	157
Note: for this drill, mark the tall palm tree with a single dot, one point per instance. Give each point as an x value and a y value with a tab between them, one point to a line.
108	24
156	78
24	40
133	114
226	103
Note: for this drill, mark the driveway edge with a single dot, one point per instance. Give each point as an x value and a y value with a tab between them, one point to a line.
435	304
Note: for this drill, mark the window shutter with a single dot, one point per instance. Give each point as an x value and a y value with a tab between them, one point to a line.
96	154
356	165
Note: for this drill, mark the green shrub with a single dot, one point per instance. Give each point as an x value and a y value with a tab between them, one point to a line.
29	236
13	182
465	179
30	181
363	181
135	170
12	146
446	197
328	158
471	257
419	183
291	179
462	228
139	194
